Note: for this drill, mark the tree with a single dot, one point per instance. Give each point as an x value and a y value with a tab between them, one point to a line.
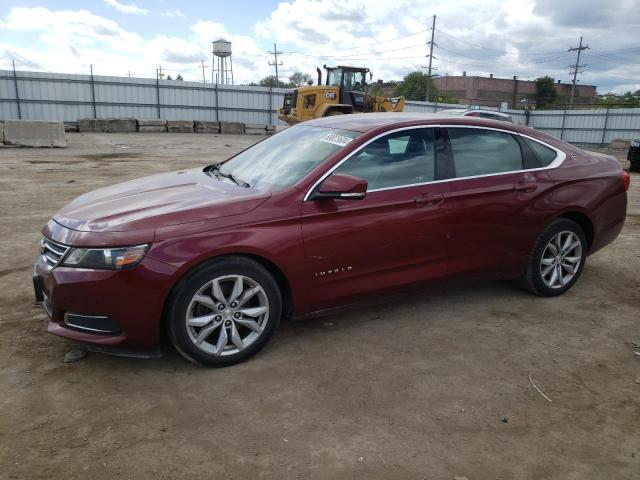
179	78
619	100
414	87
169	77
299	79
546	93
270	81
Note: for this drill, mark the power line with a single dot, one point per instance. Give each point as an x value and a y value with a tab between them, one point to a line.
493	49
354	54
378	42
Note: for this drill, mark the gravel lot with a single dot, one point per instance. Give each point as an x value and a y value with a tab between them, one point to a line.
412	388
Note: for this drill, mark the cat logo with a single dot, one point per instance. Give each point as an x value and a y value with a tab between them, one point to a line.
330	95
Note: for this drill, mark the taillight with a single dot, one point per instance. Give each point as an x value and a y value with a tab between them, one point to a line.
626	180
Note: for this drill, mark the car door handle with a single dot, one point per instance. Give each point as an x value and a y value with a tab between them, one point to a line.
429	199
528	184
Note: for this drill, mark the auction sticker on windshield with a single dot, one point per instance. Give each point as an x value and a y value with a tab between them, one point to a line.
339	140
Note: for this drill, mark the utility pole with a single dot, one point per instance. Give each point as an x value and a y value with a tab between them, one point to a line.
275	62
575	69
203	67
160	74
431	44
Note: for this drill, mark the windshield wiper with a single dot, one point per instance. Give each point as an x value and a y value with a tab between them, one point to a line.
234	179
215	169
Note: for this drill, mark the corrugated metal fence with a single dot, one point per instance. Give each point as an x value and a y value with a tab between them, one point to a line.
54	96
598	126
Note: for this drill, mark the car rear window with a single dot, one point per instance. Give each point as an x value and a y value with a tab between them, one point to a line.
483	152
545	154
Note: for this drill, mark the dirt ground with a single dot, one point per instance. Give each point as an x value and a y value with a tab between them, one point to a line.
413	388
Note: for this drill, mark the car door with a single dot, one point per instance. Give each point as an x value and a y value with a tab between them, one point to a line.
395	235
497	200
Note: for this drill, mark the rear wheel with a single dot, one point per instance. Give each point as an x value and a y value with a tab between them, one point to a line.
224	311
557	259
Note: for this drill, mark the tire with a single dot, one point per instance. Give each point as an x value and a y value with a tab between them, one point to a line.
539	277
246	304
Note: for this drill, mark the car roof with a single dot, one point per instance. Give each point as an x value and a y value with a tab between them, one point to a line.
364	122
464	111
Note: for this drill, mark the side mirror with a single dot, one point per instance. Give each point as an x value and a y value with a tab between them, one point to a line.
339	186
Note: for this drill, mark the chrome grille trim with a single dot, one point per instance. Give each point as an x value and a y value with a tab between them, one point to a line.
52	252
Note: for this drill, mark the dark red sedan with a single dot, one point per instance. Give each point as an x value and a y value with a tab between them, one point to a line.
329	212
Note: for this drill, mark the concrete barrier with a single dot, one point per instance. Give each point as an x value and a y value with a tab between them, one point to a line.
93	125
151	122
620	143
202	126
180	126
255	129
152	129
232	128
122	125
34	133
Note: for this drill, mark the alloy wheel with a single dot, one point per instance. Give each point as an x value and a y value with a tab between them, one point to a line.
227	315
561	259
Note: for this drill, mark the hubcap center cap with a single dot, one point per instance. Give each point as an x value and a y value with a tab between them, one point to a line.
227	314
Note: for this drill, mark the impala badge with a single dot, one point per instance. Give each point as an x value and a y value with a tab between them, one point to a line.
333	271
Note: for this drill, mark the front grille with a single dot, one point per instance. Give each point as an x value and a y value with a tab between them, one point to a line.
290	99
52	252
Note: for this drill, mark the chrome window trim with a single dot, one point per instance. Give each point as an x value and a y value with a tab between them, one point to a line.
560	157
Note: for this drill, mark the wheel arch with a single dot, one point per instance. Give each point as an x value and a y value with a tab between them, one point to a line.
272	267
584	221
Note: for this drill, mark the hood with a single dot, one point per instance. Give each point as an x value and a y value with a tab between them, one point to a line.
158	200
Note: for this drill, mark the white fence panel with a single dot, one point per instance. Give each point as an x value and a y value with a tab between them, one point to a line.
56	96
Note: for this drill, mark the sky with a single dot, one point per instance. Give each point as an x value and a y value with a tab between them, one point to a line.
527	38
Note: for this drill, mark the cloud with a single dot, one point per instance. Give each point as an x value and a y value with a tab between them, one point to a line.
20	61
528	38
127	9
172	14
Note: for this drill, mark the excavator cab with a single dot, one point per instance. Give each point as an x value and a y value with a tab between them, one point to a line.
352	82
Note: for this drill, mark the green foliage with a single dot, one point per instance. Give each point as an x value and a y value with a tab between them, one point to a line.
179	78
546	94
270	81
414	87
614	100
299	79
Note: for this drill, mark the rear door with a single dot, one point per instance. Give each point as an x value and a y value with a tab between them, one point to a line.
497	198
395	235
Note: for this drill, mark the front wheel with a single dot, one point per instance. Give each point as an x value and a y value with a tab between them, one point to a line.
224	311
557	259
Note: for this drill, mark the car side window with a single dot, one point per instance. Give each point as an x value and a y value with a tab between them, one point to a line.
544	154
482	152
401	158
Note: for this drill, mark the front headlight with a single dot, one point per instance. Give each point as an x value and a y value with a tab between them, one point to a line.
105	259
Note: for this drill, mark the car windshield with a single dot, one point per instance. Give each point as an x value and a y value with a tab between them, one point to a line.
281	160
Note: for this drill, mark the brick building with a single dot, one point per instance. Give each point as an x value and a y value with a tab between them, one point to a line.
491	91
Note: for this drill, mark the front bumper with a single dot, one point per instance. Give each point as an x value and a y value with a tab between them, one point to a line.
634	158
111	309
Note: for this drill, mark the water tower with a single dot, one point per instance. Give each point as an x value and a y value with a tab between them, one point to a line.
222	66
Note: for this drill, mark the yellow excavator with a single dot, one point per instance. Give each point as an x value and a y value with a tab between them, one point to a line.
346	91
